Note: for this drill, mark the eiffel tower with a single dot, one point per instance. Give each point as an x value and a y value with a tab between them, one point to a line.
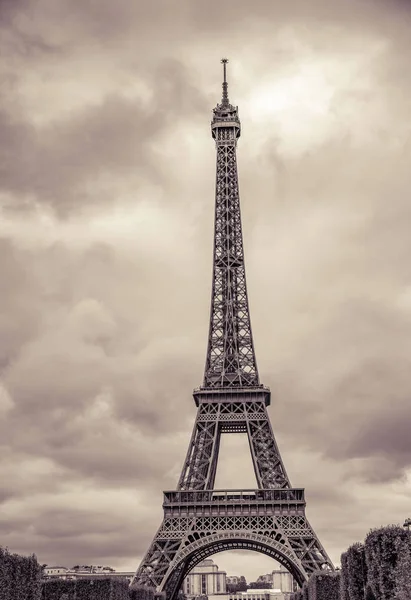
199	520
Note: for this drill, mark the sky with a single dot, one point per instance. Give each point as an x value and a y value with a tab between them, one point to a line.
107	170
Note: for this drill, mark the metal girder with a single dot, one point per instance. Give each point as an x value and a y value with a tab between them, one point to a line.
230	358
182	542
199	468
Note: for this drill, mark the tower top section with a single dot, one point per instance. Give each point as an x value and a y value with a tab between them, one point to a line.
230	362
225	84
225	114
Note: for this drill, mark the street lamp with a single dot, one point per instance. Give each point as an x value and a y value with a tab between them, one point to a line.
407	524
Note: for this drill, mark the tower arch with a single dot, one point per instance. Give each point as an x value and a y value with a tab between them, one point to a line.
192	554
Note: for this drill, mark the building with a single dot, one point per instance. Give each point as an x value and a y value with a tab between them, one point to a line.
269	594
205	579
93	569
56	572
86	572
283	580
279	579
100	575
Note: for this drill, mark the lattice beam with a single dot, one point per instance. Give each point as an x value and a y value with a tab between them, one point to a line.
214	419
230	354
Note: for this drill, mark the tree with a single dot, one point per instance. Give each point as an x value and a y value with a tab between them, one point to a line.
19	576
242	586
369	595
357	571
259	585
323	585
382	552
344	595
403	571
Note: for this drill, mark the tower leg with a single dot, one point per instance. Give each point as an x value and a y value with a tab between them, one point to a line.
212	420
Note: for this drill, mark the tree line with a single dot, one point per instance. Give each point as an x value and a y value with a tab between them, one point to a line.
377	569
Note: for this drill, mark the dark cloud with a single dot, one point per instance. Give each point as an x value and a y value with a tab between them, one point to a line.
359	411
95	342
58	164
83	533
107	169
19	319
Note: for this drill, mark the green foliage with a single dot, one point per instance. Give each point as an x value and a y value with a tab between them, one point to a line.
305	592
241	586
344	577
20	576
87	588
324	585
142	592
369	595
259	585
93	589
403	570
382	547
56	589
357	571
298	595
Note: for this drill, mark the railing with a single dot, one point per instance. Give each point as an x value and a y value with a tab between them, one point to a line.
236	393
234	496
232	117
232	389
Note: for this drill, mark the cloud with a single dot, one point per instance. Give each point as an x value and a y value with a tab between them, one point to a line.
107	185
334	311
61	164
19	319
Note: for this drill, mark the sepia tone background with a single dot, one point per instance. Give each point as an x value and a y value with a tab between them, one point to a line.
107	188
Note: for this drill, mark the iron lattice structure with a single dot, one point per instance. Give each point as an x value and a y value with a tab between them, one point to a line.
198	520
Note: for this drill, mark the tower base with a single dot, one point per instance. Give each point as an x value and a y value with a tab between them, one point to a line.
198	524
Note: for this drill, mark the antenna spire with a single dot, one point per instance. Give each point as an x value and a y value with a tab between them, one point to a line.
225	84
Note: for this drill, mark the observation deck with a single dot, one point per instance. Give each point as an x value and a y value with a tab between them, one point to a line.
234	502
256	393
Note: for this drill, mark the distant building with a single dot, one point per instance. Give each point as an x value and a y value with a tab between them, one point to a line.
268	594
86	572
279	579
58	572
205	579
283	580
100	575
93	569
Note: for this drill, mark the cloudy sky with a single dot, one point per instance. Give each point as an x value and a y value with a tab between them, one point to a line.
107	190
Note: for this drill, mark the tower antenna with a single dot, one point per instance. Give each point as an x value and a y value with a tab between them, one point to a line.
225	84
